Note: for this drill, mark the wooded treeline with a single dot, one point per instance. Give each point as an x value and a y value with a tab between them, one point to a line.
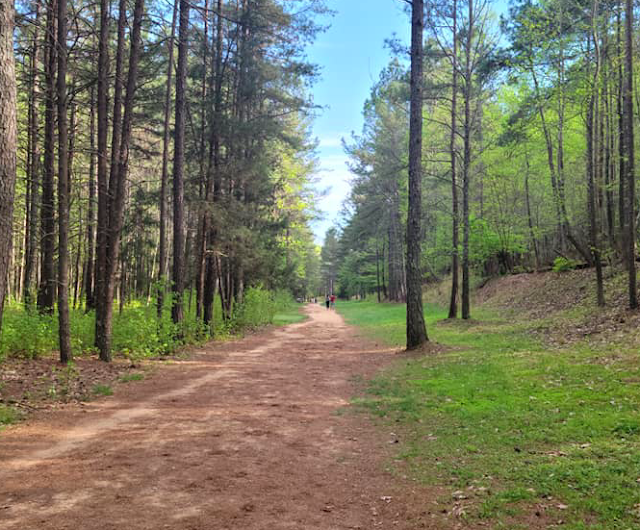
528	154
162	148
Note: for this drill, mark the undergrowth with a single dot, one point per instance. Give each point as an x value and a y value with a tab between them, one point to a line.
8	415
137	333
514	428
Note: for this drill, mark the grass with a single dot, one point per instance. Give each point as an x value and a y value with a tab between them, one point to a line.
499	413
288	315
102	390
8	415
128	378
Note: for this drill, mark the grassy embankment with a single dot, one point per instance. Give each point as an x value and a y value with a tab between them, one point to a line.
518	431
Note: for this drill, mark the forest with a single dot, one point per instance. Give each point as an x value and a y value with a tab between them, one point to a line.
160	168
528	154
164	159
160	197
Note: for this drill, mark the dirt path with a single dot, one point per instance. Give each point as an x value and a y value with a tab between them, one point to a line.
247	435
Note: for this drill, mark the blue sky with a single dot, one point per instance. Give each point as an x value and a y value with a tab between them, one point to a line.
351	55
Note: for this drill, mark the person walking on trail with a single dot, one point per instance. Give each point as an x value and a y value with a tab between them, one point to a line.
333	301
327	301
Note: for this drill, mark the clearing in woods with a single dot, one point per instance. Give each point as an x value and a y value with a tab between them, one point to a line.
244	435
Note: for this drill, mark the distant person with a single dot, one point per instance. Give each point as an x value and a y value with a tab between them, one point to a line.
333	301
327	301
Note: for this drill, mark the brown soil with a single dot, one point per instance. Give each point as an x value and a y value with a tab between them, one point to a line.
563	306
43	383
255	434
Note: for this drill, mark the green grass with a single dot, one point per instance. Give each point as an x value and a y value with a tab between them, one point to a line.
128	378
102	390
499	411
289	315
8	415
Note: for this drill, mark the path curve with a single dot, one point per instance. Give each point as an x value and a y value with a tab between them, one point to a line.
246	435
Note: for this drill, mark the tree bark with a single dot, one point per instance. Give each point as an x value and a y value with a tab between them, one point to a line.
162	260
117	189
47	289
629	161
8	142
103	179
89	265
466	168
591	169
416	328
397	288
532	234
64	332
34	167
103	313
178	167
621	141
206	184
455	266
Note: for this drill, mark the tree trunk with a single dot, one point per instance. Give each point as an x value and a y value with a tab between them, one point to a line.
416	328
608	146
8	142
47	290
117	189
466	168
591	170
384	281
621	141
378	273
33	168
455	266
162	260
211	282
629	162
206	184
103	180
89	265
64	332
178	167
532	234
103	266
397	289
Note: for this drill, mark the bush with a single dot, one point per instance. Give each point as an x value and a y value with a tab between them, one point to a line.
136	330
26	334
259	307
562	264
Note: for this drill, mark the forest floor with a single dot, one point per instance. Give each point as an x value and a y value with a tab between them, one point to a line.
251	434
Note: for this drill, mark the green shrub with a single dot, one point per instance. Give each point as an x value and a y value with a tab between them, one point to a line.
562	264
26	334
102	390
8	415
259	307
136	331
128	378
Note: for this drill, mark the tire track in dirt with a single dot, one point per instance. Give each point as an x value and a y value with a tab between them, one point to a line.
247	435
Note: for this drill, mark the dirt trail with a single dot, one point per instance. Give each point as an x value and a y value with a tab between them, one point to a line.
246	435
